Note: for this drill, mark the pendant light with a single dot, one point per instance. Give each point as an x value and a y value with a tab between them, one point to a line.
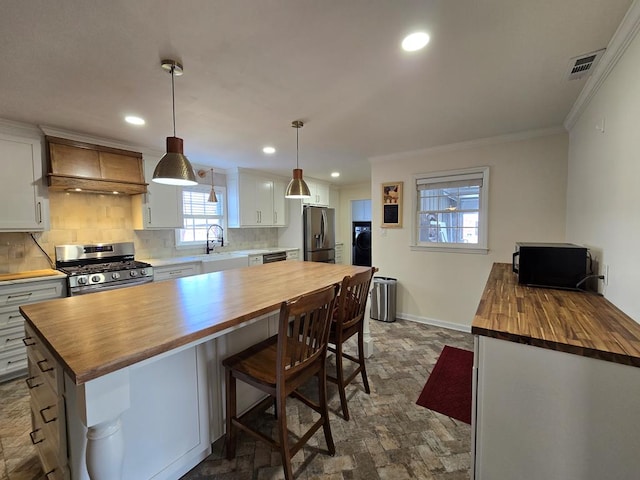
174	168
212	196
297	187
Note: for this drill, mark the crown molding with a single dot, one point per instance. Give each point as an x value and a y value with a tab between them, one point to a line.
19	128
619	43
480	142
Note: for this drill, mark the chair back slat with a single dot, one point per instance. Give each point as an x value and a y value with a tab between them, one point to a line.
352	300
304	330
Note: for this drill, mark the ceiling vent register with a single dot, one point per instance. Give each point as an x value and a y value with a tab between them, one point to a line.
584	64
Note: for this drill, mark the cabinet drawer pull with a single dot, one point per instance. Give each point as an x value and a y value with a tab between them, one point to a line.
26	342
44	418
30	384
50	472
32	434
14	316
42	369
20	295
9	339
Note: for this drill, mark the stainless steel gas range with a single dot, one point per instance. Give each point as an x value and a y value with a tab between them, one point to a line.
103	266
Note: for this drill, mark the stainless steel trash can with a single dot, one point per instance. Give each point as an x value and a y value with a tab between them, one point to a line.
383	299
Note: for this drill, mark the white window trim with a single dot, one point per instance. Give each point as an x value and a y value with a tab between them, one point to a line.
205	188
482	246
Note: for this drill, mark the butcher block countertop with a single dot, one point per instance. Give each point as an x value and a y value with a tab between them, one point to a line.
31	275
580	323
96	334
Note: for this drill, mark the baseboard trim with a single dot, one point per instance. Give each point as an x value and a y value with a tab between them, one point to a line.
434	322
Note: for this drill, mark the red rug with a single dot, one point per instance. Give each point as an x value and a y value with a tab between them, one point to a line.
448	388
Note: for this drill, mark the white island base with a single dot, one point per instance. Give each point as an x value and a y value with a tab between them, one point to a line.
150	420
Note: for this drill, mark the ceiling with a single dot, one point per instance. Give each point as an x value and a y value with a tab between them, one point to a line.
251	67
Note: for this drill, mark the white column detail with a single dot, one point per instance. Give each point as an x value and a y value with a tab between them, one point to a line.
105	450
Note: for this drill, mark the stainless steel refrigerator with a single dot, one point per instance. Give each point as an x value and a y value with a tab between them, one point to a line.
319	234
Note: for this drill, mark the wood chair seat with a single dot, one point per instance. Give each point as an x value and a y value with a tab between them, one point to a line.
279	366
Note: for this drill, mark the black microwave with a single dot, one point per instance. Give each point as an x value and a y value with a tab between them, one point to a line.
552	265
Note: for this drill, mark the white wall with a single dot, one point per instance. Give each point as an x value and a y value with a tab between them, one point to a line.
527	201
604	173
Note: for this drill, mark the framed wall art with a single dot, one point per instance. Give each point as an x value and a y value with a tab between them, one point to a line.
392	205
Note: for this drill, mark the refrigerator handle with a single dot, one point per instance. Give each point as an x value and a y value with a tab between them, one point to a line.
322	224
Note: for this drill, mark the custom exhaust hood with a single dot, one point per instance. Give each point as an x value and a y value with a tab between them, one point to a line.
84	167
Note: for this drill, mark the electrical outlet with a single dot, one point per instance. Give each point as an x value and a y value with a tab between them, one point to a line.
605	272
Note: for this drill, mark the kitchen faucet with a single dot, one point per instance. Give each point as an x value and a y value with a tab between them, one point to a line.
221	237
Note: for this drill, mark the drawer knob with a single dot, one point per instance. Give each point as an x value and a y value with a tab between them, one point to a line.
44	417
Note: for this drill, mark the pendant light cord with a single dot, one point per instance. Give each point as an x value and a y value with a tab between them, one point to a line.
173	100
297	148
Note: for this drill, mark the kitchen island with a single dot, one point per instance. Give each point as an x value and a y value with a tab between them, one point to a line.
137	369
556	384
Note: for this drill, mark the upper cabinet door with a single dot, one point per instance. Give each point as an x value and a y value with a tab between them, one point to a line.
159	208
22	207
319	193
254	199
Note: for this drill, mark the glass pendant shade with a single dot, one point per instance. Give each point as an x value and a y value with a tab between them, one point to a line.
297	187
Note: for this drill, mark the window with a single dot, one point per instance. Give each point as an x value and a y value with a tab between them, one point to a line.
199	214
451	210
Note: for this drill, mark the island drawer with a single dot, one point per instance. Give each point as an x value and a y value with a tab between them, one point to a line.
43	360
50	444
11	337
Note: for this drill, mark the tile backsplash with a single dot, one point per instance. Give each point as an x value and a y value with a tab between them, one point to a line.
98	218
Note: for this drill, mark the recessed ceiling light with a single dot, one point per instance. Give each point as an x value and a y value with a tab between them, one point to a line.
415	41
269	150
133	120
335	174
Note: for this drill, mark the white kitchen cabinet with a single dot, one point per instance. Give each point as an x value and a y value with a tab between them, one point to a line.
251	199
13	355
160	207
23	203
255	260
177	270
541	413
339	252
319	193
224	262
279	203
361	210
293	254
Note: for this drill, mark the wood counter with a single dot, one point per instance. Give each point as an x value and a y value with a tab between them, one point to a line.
96	334
580	323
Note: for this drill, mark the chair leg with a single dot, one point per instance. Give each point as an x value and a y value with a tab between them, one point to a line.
230	439
340	381
324	409
363	370
283	435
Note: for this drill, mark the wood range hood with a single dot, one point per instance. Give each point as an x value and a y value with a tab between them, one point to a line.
85	167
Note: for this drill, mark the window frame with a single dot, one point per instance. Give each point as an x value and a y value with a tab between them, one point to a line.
483	213
221	193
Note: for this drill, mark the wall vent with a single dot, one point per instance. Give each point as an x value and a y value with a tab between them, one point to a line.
583	65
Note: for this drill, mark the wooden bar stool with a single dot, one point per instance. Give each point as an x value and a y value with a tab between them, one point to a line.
348	320
279	366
